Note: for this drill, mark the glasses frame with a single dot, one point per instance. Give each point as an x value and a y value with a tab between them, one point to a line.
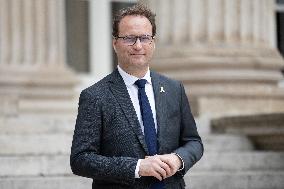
136	38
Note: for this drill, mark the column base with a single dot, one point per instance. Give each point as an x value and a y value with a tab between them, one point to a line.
37	90
222	82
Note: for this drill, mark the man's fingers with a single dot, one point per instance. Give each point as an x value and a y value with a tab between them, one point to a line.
172	161
157	175
160	167
166	167
168	162
160	171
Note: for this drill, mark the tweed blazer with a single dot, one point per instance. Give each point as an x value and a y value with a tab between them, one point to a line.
108	140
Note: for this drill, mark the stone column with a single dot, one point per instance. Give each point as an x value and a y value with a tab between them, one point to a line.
100	29
215	22
224	52
34	77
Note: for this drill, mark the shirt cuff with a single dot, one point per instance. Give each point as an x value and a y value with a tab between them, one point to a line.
137	169
182	167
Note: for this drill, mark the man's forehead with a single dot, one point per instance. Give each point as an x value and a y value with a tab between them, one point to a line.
135	22
130	18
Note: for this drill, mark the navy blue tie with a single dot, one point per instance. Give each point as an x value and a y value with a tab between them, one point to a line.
147	118
149	124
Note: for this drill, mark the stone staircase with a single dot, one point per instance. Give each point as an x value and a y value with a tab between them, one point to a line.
230	162
34	154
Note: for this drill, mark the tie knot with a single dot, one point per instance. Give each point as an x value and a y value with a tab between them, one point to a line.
140	83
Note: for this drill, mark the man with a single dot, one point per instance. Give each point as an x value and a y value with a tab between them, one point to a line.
134	128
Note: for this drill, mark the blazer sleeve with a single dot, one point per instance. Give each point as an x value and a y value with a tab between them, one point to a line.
191	147
85	159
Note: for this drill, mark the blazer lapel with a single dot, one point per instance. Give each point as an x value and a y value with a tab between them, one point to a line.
120	92
159	95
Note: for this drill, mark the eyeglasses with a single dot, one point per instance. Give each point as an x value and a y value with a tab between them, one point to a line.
131	39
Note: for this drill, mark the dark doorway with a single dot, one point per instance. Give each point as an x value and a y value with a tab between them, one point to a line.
280	31
77	35
280	27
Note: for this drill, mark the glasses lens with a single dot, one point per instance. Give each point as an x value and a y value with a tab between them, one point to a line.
145	39
129	40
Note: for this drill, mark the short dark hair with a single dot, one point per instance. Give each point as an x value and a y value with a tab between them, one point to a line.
136	10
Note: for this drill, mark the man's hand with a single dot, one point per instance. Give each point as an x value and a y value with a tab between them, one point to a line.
160	166
173	161
154	166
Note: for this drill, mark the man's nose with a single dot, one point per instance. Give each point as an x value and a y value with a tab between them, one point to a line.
137	44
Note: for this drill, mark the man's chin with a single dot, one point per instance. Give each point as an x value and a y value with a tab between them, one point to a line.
140	63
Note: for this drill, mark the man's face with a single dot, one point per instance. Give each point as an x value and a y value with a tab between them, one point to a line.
137	56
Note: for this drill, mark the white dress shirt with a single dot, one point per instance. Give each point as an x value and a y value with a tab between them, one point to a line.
132	89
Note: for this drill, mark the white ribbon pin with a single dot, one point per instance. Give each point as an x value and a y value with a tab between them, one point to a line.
162	90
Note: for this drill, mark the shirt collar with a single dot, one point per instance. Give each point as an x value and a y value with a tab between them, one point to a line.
130	79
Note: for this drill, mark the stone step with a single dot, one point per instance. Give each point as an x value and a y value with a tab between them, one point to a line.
204	180
37	144
59	165
226	142
36	124
235	180
34	165
51	106
63	182
236	161
31	144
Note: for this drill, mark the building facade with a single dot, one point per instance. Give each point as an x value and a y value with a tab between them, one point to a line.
226	52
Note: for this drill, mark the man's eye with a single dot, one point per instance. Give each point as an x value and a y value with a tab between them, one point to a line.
145	38
129	38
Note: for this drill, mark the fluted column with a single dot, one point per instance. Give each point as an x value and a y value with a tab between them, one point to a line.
214	21
32	32
197	25
246	22
215	18
223	50
4	34
28	46
179	26
164	24
232	21
33	66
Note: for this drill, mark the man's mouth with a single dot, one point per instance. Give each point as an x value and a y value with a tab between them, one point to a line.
137	54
